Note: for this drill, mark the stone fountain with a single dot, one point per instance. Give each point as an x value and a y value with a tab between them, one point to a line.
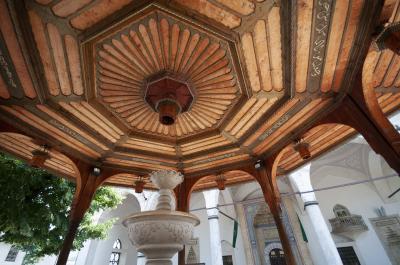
161	233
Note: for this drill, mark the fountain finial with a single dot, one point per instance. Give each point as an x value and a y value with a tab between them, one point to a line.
166	181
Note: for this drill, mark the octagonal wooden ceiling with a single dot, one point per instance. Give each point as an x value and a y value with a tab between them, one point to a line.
155	43
73	75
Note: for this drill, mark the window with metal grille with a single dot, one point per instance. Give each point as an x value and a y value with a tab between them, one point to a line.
117	244
227	260
348	256
115	256
12	254
277	257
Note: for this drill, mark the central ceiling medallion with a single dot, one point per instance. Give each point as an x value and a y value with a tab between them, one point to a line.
169	97
163	74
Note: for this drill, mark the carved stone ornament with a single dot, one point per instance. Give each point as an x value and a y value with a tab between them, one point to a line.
161	233
345	222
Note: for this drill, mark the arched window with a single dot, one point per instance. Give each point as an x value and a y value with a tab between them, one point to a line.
12	254
340	211
117	244
115	255
277	257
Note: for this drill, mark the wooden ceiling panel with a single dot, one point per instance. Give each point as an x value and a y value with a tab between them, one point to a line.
256	73
22	146
65	8
389	102
45	127
91	117
244	7
141	159
223	162
320	139
248	115
216	13
142	164
384	66
95	13
325	34
349	34
68	124
59	59
304	28
214	159
203	144
39	33
74	64
286	128
147	145
262	53
335	40
19	67
275	121
212	156
140	156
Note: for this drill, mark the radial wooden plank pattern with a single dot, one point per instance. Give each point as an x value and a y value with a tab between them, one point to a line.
159	45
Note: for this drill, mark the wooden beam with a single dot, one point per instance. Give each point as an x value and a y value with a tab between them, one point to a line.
350	113
364	96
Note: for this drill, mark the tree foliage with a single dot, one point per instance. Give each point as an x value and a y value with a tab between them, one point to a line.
34	210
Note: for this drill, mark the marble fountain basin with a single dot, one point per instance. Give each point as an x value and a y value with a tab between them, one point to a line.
160	234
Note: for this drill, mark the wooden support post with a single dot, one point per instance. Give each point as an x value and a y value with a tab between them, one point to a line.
182	193
265	179
86	186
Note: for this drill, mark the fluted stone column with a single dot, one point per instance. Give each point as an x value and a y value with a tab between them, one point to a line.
211	198
326	252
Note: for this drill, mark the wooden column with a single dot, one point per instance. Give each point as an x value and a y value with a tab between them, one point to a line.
86	186
263	174
182	193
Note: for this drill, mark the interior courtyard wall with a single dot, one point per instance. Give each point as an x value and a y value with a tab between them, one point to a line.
361	199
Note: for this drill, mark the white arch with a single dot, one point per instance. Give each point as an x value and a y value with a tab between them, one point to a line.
99	251
268	249
383	187
245	190
332	171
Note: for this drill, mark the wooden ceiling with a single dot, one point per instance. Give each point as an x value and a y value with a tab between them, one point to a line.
73	75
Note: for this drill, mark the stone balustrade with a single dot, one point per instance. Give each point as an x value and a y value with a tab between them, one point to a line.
344	224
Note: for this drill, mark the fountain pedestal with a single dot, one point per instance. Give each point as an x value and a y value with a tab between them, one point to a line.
160	234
